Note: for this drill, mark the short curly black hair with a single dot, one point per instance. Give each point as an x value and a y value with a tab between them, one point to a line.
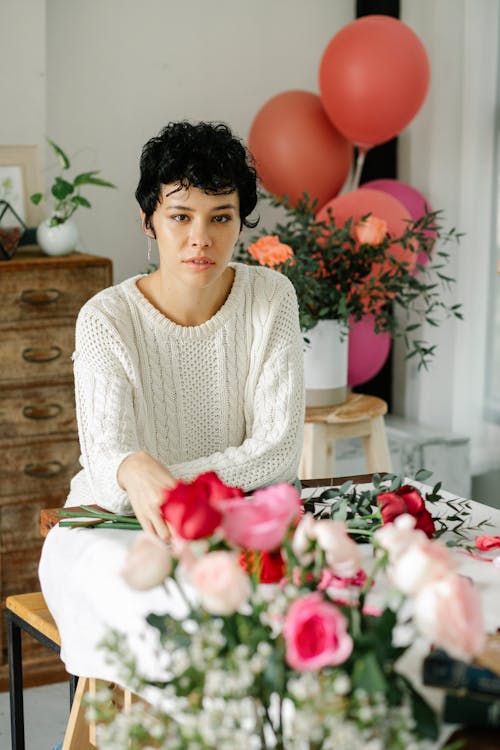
204	155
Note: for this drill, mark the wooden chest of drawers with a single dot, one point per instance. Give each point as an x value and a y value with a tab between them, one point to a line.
40	298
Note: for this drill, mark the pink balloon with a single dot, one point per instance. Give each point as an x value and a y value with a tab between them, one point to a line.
414	202
368	351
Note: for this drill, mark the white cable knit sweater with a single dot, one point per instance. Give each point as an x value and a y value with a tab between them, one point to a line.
226	395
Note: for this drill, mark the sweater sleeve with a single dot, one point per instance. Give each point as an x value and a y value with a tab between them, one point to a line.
104	406
271	450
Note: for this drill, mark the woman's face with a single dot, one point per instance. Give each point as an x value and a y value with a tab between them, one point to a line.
196	233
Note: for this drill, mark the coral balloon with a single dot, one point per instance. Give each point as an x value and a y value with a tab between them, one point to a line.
367	351
416	204
358	203
297	149
373	77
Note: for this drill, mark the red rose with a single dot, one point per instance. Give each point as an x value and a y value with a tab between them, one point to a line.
193	508
406	500
272	565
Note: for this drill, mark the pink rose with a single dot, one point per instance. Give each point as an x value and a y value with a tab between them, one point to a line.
261	521
316	635
220	582
342	554
448	611
422	562
371	231
148	562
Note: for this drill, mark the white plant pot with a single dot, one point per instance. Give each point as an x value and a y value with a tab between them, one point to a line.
325	364
60	239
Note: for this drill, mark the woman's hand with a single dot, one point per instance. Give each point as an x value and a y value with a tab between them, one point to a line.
144	478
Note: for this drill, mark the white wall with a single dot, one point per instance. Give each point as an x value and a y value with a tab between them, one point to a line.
447	154
118	71
23	66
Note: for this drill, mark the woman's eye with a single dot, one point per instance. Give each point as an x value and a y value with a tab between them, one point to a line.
179	217
222	219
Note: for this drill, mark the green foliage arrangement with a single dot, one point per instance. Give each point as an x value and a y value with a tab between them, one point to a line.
66	191
346	272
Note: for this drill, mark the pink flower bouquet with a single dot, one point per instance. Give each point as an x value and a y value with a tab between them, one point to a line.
310	661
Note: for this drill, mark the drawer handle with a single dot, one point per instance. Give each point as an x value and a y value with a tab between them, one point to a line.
48	411
40	296
44	469
42	355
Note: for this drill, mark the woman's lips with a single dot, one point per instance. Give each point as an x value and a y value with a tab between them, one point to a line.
199	263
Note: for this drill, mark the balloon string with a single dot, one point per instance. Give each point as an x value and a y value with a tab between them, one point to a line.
360	160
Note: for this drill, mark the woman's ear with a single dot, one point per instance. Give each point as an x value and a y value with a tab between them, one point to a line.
146	225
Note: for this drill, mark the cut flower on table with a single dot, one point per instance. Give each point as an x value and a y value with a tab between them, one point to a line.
310	661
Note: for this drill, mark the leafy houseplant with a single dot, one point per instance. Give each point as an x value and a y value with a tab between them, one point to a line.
347	272
66	192
58	235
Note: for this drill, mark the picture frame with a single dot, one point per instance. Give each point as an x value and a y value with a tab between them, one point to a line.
20	177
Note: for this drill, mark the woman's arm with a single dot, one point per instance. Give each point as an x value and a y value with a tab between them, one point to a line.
121	475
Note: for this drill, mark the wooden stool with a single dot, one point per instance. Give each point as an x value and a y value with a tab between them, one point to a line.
359	417
27	612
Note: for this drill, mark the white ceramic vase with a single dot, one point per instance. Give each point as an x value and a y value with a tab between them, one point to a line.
325	364
60	239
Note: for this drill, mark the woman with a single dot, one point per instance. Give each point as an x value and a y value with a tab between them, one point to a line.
197	366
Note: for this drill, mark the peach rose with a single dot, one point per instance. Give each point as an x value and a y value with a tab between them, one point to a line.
448	612
303	538
269	251
148	562
371	231
220	582
423	561
396	537
342	554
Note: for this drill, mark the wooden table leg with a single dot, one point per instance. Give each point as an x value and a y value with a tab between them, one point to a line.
318	453
376	447
77	732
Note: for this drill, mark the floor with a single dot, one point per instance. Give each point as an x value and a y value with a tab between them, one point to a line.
46	712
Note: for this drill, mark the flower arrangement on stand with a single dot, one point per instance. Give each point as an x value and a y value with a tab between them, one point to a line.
345	271
309	660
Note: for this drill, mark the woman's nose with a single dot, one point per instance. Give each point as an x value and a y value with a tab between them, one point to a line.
200	235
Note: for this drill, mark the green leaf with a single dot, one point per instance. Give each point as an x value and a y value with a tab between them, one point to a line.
63	159
89	178
368	675
36	198
422	475
425	716
61	188
79	200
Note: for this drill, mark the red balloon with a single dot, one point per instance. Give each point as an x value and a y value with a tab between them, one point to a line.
297	149
374	76
360	202
412	200
367	351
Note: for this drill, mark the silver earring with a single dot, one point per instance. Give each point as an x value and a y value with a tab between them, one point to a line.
149	249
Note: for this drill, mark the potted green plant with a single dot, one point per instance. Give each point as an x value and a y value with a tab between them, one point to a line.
343	273
58	234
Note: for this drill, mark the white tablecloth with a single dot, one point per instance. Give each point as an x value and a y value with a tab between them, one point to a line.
81	582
